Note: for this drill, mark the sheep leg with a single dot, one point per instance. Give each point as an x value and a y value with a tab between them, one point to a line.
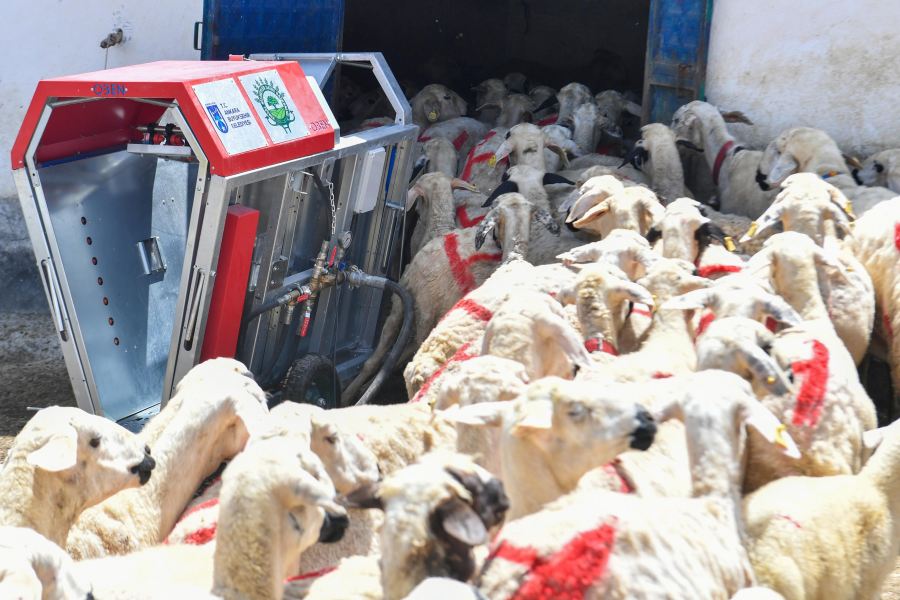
370	367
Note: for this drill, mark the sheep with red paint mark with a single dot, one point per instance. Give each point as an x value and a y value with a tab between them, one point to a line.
831	537
432	197
876	244
436	512
610	545
214	412
462	132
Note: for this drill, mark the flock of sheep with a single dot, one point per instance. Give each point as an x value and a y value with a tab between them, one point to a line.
615	391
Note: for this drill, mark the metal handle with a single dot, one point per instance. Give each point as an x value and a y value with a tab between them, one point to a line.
49	275
197	25
194	303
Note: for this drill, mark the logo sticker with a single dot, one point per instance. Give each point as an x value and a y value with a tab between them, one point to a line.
217	117
271	99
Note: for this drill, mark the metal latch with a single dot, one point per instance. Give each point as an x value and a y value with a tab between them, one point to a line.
151	256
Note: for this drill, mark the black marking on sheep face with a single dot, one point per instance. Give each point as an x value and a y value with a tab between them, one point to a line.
878	167
708	232
571	226
144	468
653	235
451	556
761	181
506	187
489	499
333	528
642	437
636	158
855	173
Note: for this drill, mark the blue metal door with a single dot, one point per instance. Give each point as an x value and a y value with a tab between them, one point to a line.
677	44
245	26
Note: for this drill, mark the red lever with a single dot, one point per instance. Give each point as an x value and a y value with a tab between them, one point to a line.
305	327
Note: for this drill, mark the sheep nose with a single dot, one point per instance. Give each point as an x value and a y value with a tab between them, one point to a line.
761	181
643	435
144	468
333	528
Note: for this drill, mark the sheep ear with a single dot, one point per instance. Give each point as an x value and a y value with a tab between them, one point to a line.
596	211
553	178
488	224
691	301
765	370
457	520
784	166
546	219
762	420
634	292
488	105
506	187
873	438
735	116
414	193
565	161
633	108
537	417
503	151
462	184
366	496
483	414
566	295
58	452
551	101
766	221
852	161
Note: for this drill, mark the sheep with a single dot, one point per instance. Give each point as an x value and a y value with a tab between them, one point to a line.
525	145
570	97
465	322
210	421
488	94
31	566
613	105
627	249
546	447
435	512
830	410
459	254
64	461
605	204
611	545
514	109
733	166
435	103
657	154
557	135
876	244
437	209
804	149
880	170
481	168
828	537
589	126
464	133
544	98
516	82
276	502
438	156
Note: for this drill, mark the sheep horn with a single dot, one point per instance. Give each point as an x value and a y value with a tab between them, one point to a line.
461	184
506	187
735	116
414	193
852	161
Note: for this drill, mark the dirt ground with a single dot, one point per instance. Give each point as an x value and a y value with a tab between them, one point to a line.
34	375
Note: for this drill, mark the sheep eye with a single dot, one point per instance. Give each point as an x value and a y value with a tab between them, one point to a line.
447	97
331	439
95	442
879	167
577	411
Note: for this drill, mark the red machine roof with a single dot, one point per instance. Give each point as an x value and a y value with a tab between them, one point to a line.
281	125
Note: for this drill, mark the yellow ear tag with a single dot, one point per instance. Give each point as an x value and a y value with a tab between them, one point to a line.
770	379
848	208
779	435
433	116
729	244
492	161
752	231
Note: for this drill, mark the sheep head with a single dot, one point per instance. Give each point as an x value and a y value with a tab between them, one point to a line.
570	97
796	150
509	224
635	208
437	103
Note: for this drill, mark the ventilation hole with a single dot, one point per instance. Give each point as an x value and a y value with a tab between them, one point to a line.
89	241
99	281
93	260
116	341
105	300
110	321
83	221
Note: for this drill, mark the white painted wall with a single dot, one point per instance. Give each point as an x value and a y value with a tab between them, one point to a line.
830	64
50	38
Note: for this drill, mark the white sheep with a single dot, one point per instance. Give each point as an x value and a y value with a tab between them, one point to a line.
611	545
557	135
658	155
805	149
733	166
881	169
876	244
276	502
64	461
463	132
31	566
829	537
627	249
435	512
545	443
481	168
434	103
605	204
514	109
589	126
207	420
438	156
525	145
613	105
436	209
570	97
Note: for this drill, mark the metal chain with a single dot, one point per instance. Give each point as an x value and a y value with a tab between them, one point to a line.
333	209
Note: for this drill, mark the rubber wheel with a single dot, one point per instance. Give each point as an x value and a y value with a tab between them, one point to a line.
312	379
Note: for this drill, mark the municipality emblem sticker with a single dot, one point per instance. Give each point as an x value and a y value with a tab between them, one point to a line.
217	117
270	97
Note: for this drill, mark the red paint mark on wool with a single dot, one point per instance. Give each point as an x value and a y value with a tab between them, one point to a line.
459	267
596	344
424	138
771	324
709	270
612	469
461	139
462	216
897	236
567	574
661	375
642	310
461	355
551	120
472	308
204	535
811	396
705	321
311	574
790	520
474	158
203	505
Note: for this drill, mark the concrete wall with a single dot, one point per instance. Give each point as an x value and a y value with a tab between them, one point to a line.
829	64
49	38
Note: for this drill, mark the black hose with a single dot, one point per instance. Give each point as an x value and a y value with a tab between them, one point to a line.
402	338
261	309
287	353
